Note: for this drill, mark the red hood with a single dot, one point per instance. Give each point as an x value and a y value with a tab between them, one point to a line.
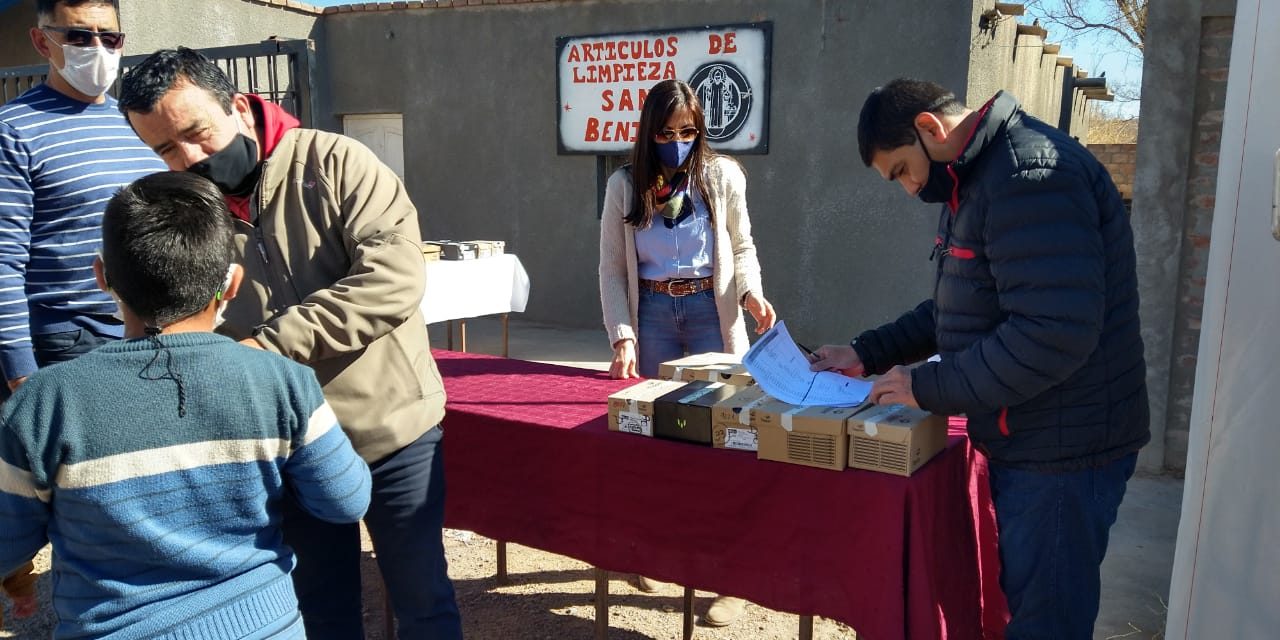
272	123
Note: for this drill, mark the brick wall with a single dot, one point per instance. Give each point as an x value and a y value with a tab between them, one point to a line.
1120	160
1202	177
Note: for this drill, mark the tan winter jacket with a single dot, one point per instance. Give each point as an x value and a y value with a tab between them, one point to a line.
333	279
736	270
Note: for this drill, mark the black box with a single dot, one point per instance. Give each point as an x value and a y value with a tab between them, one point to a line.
685	414
452	250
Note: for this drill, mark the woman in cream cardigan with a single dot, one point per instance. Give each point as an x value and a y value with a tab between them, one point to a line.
677	264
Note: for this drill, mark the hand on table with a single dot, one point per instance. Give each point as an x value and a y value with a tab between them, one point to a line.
761	310
624	364
894	387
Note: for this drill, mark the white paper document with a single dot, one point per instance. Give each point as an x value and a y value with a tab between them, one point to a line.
782	370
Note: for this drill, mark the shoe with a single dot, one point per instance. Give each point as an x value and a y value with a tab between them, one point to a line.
724	610
649	585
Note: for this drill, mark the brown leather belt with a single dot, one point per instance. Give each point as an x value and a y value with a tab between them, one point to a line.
677	287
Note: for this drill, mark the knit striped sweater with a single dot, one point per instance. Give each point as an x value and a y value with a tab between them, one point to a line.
168	526
61	160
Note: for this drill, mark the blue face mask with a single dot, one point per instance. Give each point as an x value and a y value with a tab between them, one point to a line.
673	154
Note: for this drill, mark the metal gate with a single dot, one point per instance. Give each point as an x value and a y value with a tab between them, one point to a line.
281	71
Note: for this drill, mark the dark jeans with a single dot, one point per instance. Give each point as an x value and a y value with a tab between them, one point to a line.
52	348
1053	530
404	519
670	326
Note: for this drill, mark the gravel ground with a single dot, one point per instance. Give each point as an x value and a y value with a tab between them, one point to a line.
550	597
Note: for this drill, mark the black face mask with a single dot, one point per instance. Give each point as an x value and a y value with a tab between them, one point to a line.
234	169
939	186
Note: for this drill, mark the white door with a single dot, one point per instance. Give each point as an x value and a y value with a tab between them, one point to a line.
383	133
1226	573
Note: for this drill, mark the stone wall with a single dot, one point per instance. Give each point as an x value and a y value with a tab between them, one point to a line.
1121	161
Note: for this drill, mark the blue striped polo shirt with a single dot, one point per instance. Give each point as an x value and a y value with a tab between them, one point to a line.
61	160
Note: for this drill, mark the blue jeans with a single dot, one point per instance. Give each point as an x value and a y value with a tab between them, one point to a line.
671	327
1053	531
404	520
52	348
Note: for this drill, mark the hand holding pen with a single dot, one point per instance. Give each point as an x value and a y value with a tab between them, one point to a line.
840	358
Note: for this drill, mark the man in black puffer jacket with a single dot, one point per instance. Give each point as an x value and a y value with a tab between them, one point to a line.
1035	319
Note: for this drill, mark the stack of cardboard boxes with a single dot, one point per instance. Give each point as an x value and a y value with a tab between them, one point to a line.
710	399
456	250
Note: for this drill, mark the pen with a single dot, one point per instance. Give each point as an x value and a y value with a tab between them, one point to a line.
808	351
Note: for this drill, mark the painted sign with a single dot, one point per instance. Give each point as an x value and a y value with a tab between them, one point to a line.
603	81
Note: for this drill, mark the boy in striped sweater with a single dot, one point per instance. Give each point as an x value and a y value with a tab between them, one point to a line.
156	465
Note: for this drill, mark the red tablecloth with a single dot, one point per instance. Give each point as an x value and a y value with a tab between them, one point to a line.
530	460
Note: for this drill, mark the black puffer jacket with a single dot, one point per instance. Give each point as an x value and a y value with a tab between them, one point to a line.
1035	306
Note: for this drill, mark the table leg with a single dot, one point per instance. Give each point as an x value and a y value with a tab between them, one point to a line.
688	613
462	333
602	604
806	627
505	335
502	577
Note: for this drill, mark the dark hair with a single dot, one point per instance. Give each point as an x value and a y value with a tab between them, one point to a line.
166	244
664	99
46	8
888	116
145	84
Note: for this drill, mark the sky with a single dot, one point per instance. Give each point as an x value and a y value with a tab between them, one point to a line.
1098	52
1095	53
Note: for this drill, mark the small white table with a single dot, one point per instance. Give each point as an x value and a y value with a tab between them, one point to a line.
461	289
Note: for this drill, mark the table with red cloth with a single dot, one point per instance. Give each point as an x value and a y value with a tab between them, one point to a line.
530	460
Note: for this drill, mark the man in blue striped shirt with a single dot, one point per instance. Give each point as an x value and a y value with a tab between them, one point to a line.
64	151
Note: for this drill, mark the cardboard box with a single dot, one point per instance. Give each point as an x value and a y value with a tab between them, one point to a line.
677	369
731	425
734	374
631	410
811	436
895	438
489	248
450	250
685	413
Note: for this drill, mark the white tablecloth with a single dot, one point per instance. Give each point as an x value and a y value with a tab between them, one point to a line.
470	288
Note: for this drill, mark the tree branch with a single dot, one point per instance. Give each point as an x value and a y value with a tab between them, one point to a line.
1126	19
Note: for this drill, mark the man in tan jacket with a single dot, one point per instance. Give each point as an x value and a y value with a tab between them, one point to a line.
329	242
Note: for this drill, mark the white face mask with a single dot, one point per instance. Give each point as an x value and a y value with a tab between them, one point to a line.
117	314
222	300
90	70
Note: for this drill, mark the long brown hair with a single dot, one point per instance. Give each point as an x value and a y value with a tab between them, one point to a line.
664	99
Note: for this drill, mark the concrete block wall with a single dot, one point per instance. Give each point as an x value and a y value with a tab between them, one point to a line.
1121	162
841	249
1023	64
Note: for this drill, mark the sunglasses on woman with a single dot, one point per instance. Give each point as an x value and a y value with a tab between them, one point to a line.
79	37
683	135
